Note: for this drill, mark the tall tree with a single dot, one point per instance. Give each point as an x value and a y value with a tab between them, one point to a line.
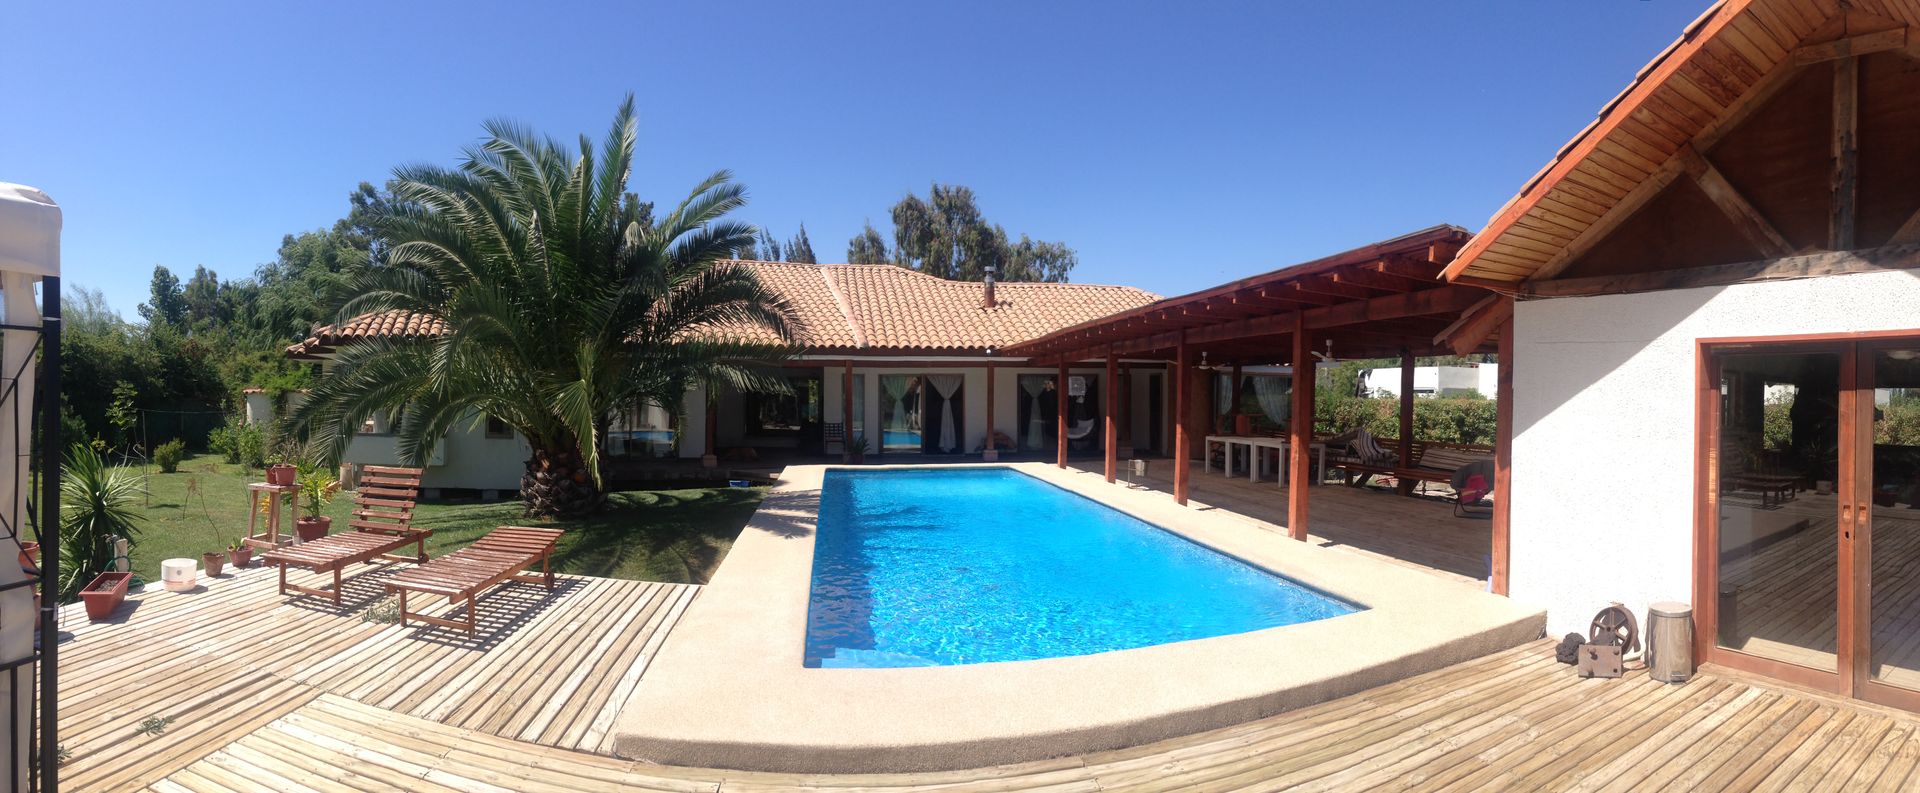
166	304
800	249
868	247
945	235
769	247
561	307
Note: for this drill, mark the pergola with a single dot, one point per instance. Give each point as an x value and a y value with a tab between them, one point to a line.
1377	301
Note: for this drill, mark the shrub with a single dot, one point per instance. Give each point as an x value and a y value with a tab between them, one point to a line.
239	443
168	455
97	502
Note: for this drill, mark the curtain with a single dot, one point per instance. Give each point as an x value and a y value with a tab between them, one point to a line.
1275	395
948	385
1223	394
1036	388
893	393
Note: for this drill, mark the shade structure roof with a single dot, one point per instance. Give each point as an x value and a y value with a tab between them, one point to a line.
1372	301
1724	66
29	231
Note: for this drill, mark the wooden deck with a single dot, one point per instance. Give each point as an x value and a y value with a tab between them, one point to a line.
551	669
1411	531
1511	721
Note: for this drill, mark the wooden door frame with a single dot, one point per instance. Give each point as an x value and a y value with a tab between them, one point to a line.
1853	479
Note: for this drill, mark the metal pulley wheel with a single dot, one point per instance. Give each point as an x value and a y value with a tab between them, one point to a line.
1615	625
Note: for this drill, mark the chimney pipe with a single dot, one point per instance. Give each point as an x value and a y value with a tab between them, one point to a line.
989	302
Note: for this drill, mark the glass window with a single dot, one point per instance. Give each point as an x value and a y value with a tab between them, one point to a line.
643	432
900	412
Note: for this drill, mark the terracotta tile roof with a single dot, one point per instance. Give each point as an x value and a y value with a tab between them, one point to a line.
871	307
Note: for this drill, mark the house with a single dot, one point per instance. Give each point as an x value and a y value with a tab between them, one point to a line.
1740	223
915	362
1436	381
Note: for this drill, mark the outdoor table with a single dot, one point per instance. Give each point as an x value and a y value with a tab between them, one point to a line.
1254	444
271	539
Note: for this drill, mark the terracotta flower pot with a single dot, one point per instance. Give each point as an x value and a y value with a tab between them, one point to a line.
29	556
1243	425
312	527
281	474
215	561
105	594
240	556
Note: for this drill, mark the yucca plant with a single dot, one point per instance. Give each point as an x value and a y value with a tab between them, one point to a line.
97	502
563	301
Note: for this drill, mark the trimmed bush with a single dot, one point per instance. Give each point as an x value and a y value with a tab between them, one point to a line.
168	455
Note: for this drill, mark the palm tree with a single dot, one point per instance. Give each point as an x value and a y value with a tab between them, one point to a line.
564	303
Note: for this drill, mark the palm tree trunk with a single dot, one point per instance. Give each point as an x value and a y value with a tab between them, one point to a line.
556	483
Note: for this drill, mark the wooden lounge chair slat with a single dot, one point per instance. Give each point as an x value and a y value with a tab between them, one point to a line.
501	556
376	536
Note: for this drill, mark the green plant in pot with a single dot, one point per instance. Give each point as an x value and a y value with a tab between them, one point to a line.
240	553
857	448
317	487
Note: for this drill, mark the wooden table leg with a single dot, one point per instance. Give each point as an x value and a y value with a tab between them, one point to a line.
253	519
473	611
336	587
273	519
403	608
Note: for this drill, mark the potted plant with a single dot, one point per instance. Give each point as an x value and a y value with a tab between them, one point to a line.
281	474
240	553
215	561
317	487
105	594
857	449
29	556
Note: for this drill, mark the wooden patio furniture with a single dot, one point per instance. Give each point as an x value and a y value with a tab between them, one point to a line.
500	557
382	523
1433	461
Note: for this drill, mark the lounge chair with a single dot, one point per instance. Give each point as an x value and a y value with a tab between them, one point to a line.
501	556
382	523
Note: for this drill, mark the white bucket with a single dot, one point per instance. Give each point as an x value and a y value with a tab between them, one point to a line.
178	574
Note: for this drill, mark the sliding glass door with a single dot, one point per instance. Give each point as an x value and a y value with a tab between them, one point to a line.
1810	518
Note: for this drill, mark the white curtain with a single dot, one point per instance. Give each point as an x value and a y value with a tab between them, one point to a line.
948	385
894	389
1036	388
1223	387
1275	395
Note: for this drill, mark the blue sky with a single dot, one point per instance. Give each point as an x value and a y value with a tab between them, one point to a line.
1173	145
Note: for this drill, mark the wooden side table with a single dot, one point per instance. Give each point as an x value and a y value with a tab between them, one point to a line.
272	538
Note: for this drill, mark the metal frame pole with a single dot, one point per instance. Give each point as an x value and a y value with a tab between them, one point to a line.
49	532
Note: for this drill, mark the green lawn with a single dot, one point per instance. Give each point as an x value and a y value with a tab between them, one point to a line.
650	535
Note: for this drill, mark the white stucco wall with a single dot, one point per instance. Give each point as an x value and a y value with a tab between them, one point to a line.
1603	447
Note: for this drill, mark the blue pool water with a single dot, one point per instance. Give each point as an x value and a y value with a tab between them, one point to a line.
968	565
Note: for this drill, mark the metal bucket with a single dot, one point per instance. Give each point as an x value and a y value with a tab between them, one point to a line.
1670	642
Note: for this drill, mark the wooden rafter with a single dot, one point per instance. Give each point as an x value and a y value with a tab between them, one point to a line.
1746	218
1850	47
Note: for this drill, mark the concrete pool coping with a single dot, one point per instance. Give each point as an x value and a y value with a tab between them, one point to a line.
729	688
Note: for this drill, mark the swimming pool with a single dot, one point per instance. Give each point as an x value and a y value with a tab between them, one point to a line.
969	565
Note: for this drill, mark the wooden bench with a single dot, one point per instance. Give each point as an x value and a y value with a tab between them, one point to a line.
1433	461
382	523
501	556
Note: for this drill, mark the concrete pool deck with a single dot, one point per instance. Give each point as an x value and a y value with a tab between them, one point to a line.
729	688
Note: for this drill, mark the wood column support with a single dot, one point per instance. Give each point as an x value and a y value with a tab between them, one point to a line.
1300	433
1060	415
1846	156
1405	486
992	453
1182	439
1112	438
1499	552
846	413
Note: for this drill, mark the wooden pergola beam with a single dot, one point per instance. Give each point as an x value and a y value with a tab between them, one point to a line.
1745	217
1849	47
1824	263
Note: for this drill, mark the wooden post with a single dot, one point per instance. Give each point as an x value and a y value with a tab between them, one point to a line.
1112	429
1123	391
992	453
1502	462
846	413
1405	486
1233	405
1182	442
712	457
1060	415
1300	434
1846	130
